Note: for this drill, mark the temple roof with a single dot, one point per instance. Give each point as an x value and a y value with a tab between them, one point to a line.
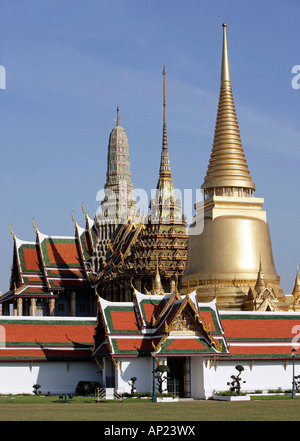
52	263
165	324
255	335
174	324
46	338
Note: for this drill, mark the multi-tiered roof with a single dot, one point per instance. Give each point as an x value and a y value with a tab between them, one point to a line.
167	325
52	264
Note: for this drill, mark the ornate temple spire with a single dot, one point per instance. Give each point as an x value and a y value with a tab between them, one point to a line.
118	204
118	165
261	281
227	166
165	170
296	290
164	207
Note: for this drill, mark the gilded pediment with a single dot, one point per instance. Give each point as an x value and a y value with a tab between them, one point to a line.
185	325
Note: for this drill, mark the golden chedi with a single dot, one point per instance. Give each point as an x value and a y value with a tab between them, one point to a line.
224	259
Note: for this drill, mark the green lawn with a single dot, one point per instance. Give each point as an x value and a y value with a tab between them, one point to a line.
34	408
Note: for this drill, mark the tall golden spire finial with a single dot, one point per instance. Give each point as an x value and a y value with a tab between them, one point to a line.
165	170
164	74
225	71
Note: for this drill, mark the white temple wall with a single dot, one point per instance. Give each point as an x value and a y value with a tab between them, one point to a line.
197	379
262	375
62	377
56	377
141	368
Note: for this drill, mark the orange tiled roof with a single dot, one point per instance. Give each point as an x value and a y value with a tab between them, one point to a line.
30	338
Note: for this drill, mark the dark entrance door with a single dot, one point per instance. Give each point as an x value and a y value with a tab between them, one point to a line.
177	376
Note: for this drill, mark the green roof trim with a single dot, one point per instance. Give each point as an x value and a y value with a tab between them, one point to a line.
258	316
216	323
33	321
22	258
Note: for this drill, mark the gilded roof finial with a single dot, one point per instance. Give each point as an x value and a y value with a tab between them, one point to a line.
34	226
84	212
12	231
73	217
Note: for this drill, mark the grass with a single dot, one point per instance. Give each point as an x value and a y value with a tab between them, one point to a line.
37	408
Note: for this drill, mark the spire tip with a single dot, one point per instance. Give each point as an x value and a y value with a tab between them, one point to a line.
117	119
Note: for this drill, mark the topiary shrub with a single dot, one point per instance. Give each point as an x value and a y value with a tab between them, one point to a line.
160	371
35	389
133	381
235	384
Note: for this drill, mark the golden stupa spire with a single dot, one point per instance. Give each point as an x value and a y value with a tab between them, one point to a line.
296	290
227	167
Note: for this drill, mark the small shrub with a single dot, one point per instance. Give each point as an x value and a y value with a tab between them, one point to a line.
86	387
133	381
35	389
160	371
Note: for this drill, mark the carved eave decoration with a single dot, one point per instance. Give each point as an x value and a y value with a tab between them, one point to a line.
266	300
188	320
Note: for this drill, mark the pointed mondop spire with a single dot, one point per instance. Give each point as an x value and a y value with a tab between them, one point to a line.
261	281
227	166
165	170
157	286
165	207
296	290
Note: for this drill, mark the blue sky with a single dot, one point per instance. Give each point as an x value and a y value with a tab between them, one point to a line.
70	63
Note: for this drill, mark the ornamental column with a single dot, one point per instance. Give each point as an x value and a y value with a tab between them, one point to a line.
19	306
52	307
73	304
33	306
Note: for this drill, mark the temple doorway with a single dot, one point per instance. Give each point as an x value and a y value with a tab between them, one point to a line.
179	376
